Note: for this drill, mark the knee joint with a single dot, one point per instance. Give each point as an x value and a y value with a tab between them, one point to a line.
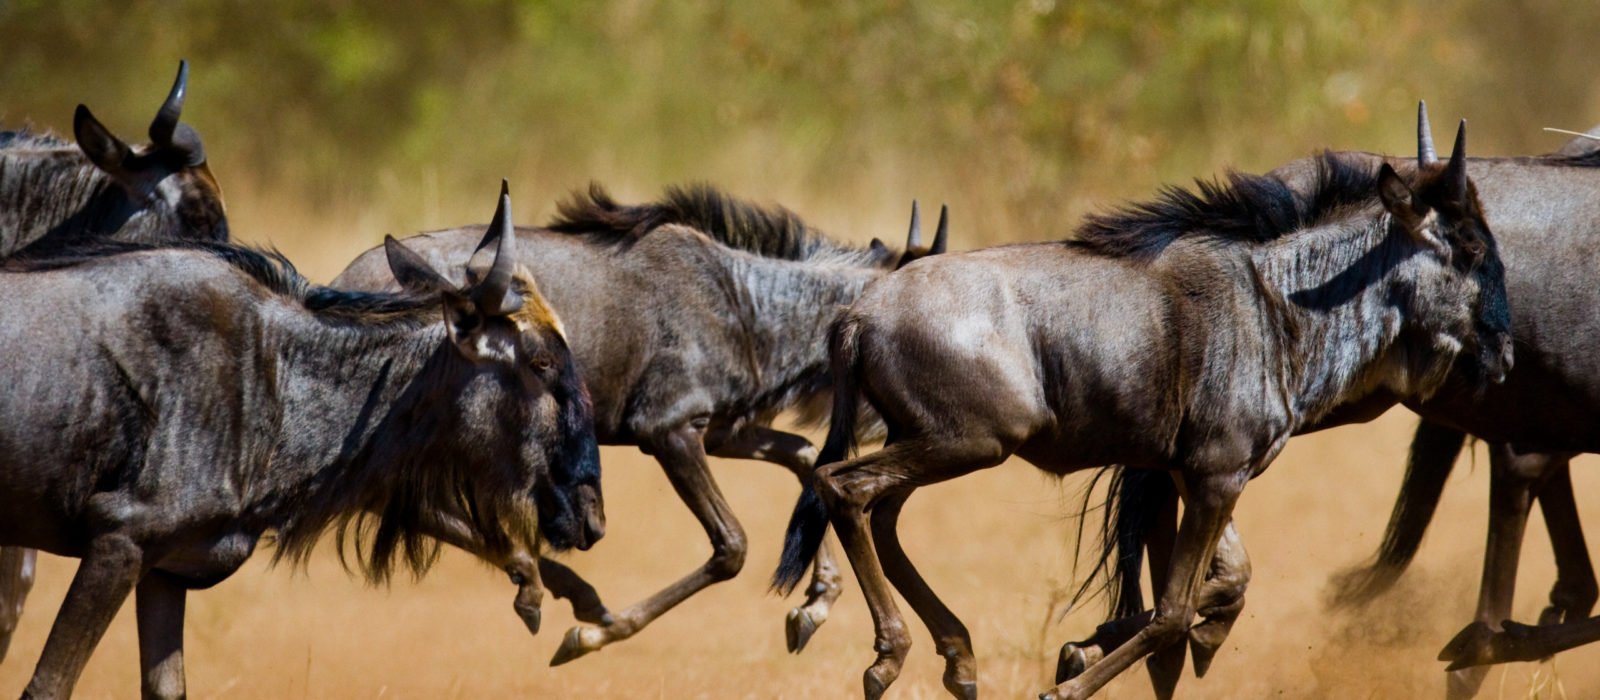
727	560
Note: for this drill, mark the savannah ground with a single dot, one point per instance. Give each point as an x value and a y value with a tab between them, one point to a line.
995	545
331	124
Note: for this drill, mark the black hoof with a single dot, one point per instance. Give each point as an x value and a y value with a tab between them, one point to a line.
797	630
1470	647
1165	668
1071	664
965	690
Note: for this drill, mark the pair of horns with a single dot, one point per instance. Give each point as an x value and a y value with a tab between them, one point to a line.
1456	170
493	294
941	235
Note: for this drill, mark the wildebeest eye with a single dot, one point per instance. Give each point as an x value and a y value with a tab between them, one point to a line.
542	361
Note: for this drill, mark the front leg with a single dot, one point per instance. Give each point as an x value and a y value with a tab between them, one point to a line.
159	606
1512	479
105	577
682	454
566	584
798	455
16	579
1573	595
1210	504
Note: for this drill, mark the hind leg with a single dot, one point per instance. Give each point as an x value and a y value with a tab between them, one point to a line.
1512	480
16	579
798	455
950	637
853	490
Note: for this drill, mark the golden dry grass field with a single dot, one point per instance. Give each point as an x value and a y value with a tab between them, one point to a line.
995	545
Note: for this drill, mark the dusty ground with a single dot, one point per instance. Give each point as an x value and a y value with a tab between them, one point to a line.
995	545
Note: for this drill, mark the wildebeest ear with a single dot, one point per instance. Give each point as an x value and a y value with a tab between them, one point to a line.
1399	200
879	248
106	151
413	273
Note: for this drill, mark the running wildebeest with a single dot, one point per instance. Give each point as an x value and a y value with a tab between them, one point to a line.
1194	334
54	195
695	321
169	405
1545	224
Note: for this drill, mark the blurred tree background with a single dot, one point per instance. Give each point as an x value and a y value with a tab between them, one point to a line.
331	122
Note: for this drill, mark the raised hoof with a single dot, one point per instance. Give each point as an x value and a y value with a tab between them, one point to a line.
965	690
1165	667
1470	647
594	616
579	641
1203	647
531	616
1072	662
797	630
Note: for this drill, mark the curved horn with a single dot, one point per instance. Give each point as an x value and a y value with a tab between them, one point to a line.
1456	171
493	294
941	234
166	120
914	238
1425	152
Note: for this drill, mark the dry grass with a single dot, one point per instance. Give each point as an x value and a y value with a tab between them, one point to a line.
993	544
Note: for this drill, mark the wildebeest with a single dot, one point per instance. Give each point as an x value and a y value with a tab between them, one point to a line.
169	405
1546	219
695	321
55	195
1194	334
1545	223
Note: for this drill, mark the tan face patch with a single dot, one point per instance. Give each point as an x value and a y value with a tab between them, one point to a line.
536	311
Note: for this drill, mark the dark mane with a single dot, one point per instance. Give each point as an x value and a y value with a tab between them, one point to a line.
1241	207
267	267
24	138
773	232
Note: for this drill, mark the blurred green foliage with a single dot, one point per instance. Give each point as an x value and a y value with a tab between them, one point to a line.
1022	114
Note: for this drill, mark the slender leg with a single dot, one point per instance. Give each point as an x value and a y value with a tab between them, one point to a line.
16	579
104	579
1221	599
524	572
1210	503
950	637
683	456
1077	657
159	604
850	489
1573	596
798	455
1512	480
1519	642
567	584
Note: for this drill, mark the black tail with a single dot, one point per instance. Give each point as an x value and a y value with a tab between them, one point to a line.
1134	499
809	522
1433	454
